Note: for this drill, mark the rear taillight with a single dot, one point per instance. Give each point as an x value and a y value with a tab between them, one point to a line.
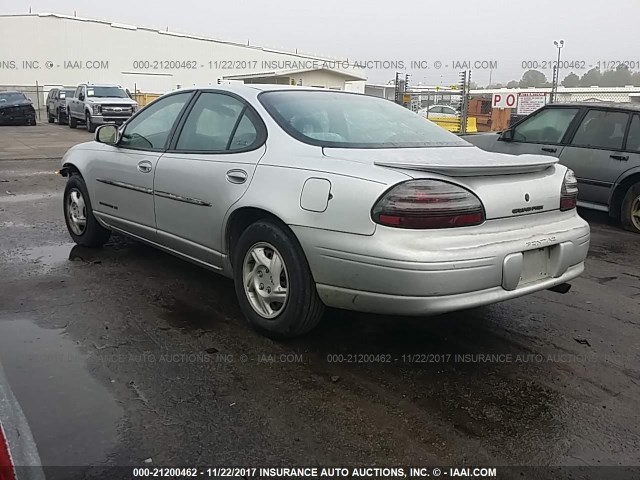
428	204
7	471
569	191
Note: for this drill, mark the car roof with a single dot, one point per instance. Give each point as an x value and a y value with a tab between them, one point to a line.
262	87
100	85
613	105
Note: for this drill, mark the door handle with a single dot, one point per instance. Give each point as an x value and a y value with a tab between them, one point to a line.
622	158
144	166
237	176
550	150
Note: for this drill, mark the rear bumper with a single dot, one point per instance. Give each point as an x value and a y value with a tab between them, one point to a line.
414	272
432	305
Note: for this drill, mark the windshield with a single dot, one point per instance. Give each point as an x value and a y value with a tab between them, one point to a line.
104	92
66	93
335	119
12	97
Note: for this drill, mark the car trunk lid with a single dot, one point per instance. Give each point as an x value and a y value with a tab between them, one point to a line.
463	161
507	185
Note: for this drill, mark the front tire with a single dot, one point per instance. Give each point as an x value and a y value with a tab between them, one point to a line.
73	123
91	127
50	118
630	212
78	215
275	289
61	120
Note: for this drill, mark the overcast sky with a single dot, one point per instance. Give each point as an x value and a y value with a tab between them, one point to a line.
508	31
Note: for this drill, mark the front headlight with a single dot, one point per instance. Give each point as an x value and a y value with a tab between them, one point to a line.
134	108
97	109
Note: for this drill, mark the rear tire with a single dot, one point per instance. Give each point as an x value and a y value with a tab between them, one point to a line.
77	207
630	211
300	309
73	123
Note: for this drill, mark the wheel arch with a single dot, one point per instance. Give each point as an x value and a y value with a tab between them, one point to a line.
239	219
69	168
615	204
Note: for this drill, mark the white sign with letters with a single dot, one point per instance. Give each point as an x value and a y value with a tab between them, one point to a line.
504	100
529	102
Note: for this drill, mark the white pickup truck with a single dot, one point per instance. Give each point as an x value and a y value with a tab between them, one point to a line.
97	104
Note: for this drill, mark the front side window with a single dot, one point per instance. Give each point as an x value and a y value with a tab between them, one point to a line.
348	120
217	123
601	129
150	129
547	126
633	140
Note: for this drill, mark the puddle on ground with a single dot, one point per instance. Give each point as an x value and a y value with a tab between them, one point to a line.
49	256
73	417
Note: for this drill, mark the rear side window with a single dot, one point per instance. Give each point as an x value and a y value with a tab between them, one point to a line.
601	129
218	123
547	126
633	141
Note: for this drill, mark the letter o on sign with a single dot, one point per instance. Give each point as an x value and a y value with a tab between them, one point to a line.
511	100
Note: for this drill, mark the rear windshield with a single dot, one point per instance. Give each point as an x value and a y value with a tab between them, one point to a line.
349	120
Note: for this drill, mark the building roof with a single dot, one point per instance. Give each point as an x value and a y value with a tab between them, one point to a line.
175	34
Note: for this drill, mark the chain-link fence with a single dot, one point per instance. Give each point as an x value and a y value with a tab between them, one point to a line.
498	109
461	110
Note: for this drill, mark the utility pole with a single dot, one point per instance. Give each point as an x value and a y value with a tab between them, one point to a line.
556	72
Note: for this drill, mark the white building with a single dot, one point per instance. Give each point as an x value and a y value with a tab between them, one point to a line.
59	50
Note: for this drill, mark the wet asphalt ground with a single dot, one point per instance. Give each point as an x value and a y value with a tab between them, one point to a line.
124	354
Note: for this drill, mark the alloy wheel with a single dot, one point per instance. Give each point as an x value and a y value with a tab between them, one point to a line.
76	212
265	279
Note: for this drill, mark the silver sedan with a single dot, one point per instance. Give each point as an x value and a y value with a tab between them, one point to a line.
307	198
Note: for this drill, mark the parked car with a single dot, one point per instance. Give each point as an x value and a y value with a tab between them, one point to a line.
445	111
307	198
600	142
57	104
16	108
94	105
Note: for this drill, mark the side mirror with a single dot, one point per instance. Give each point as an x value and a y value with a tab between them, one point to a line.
506	136
108	134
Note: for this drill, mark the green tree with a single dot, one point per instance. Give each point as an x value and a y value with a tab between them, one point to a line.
619	77
571	80
533	78
513	84
592	78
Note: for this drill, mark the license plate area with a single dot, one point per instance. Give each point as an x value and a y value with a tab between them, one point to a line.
535	265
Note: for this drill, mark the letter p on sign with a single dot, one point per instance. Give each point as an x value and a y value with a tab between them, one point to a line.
504	100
